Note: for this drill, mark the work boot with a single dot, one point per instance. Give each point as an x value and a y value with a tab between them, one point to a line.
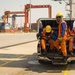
71	53
44	52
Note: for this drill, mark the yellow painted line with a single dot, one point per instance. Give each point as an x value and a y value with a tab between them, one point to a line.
3	61
10	61
66	71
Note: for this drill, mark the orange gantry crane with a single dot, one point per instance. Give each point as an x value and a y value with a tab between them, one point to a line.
25	12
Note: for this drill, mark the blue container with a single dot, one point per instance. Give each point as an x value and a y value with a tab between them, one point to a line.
3	27
0	24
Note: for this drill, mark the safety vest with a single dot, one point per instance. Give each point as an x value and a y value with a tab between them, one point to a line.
60	28
44	36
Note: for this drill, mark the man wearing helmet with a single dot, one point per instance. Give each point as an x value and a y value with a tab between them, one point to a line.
62	33
46	38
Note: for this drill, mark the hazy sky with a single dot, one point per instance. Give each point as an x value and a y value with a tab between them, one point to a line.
17	5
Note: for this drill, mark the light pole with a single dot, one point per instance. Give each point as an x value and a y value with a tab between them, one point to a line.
21	18
70	4
70	1
30	16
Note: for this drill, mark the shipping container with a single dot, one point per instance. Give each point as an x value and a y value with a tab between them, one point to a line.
7	30
7	26
1	26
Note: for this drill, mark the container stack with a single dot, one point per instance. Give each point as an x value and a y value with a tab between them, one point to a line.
2	27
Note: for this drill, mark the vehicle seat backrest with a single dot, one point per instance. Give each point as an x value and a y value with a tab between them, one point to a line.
70	23
52	23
